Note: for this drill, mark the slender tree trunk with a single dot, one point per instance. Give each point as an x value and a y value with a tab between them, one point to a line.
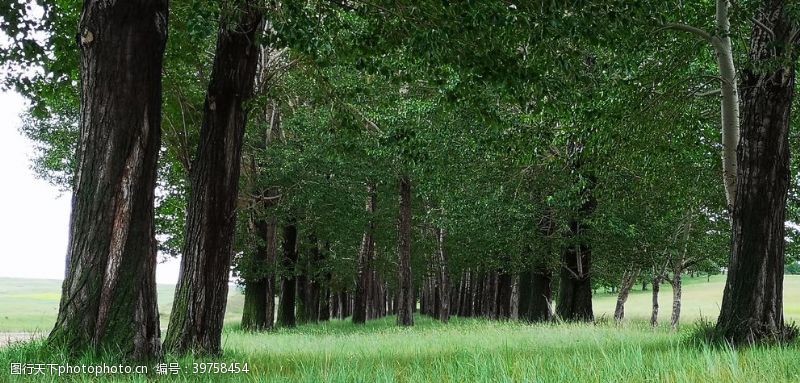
286	306
301	298
406	300
676	299
515	297
525	293
752	304
730	100
365	255
656	288
729	104
443	277
202	291
480	296
108	297
628	279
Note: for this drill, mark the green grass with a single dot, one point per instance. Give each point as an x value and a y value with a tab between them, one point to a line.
464	350
31	305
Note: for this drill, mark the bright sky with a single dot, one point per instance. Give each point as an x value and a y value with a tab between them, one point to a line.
34	216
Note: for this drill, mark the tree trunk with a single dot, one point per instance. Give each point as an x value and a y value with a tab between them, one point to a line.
504	285
405	291
628	279
656	288
443	277
301	297
676	299
575	288
752	304
365	256
515	297
108	297
259	292
202	291
286	305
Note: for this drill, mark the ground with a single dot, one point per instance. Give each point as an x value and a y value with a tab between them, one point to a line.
465	350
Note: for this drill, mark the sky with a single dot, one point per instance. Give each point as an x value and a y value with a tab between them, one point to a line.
34	215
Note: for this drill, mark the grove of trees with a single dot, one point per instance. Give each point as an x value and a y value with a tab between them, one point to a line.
361	159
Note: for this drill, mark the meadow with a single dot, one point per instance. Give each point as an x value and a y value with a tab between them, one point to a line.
463	350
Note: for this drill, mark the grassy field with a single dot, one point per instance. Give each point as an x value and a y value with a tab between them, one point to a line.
31	305
464	350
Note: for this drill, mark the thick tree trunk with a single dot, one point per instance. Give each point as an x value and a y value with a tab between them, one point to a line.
365	256
108	297
443	277
656	289
752	304
406	301
259	292
286	305
202	291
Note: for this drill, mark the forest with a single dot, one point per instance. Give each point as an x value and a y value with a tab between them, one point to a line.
401	163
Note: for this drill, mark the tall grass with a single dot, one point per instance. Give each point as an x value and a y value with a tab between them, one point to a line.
465	350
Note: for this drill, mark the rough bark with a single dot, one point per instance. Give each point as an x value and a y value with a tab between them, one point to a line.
202	291
108	296
405	292
365	256
286	305
628	279
752	304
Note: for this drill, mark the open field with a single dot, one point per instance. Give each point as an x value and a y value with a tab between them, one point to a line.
31	305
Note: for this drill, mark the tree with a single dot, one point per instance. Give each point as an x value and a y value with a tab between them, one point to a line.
721	42
752	304
365	266
405	295
202	291
109	294
288	297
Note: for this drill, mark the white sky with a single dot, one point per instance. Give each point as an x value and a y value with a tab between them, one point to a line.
34	216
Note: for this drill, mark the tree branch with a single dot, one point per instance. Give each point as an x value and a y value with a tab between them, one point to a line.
688	28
